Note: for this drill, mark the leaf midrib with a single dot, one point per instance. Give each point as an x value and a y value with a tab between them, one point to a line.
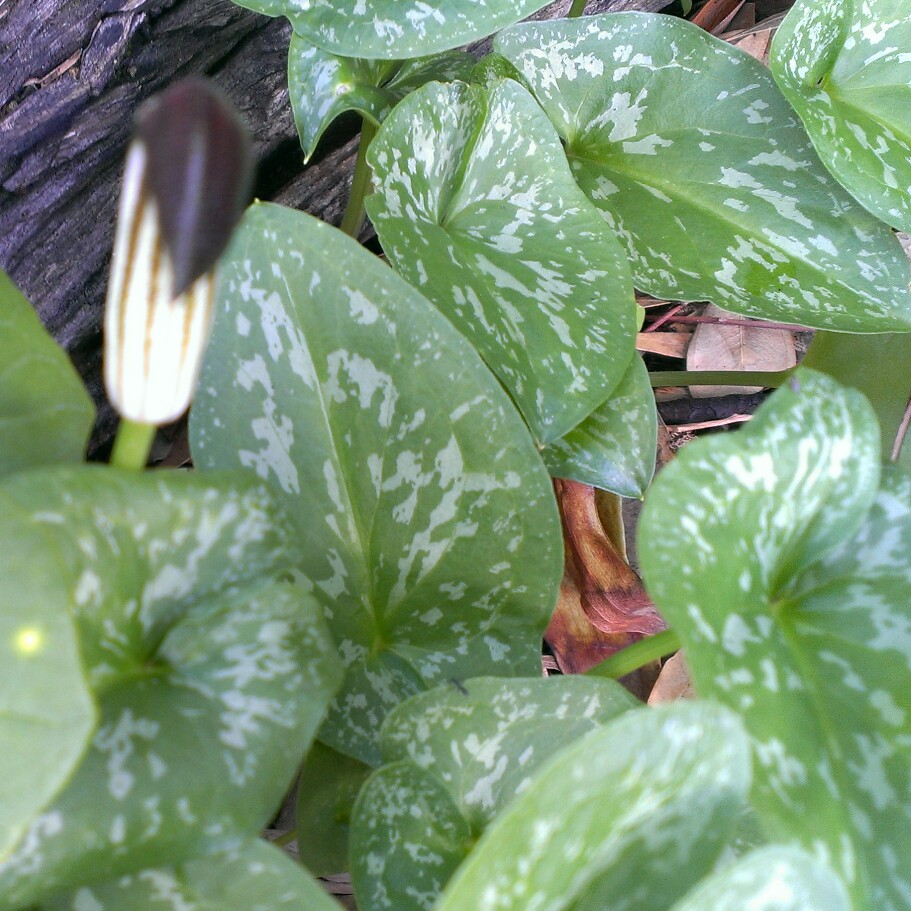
672	190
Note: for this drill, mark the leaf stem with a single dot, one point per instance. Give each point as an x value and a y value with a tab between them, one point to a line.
576	9
353	219
132	445
637	655
770	378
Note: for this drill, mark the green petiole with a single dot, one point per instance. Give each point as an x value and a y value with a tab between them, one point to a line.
637	655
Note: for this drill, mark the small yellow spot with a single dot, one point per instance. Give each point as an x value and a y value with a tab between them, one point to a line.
29	640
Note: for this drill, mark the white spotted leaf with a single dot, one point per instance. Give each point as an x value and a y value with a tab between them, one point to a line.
614	447
476	206
46	415
707	176
457	755
785	568
395	29
208	673
324	86
425	519
775	878
249	876
627	817
846	69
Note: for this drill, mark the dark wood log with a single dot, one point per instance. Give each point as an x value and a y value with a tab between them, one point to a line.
72	72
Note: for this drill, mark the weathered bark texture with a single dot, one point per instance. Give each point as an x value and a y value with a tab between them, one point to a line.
72	72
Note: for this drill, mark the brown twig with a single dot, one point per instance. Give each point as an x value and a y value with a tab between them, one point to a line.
663	319
730	321
708	425
902	432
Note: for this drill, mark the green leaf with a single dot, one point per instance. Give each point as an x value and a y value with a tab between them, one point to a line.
210	674
47	713
251	876
709	179
626	818
614	447
457	755
46	415
776	878
475	205
328	785
787	575
423	514
324	86
395	29
880	367
845	69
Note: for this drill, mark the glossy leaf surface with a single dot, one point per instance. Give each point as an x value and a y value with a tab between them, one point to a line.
209	674
456	756
786	573
395	29
614	447
323	86
629	816
476	206
249	877
846	70
771	879
46	415
424	517
706	174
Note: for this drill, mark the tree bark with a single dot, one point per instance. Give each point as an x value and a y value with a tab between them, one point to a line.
72	73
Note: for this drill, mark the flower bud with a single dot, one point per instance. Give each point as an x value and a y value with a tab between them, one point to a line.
186	180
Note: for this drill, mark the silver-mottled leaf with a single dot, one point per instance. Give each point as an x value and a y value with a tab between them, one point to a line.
210	674
324	86
627	817
614	447
776	878
395	29
424	517
458	755
846	69
706	174
788	584
475	205
251	876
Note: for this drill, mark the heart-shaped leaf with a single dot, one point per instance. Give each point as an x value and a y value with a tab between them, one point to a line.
457	755
614	447
709	179
424	516
846	69
790	592
210	675
776	878
395	29
324	86
250	876
475	205
46	415
627	817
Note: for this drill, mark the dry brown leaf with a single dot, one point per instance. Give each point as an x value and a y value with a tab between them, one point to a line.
673	682
722	347
669	344
611	594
